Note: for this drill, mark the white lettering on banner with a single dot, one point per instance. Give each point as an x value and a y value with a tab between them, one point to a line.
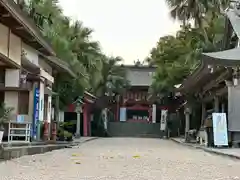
163	123
49	109
154	113
41	99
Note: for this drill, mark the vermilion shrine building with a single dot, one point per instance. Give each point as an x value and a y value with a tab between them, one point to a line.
135	114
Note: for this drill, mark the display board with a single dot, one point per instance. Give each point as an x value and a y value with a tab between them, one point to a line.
220	132
163	123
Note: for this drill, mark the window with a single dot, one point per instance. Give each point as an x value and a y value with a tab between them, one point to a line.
23	104
2	76
151	74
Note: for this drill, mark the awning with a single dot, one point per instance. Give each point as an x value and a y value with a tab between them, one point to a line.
29	66
8	62
59	65
225	58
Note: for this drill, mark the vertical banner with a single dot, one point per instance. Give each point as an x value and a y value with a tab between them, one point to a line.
154	113
123	114
49	109
220	133
35	113
163	123
1	136
41	102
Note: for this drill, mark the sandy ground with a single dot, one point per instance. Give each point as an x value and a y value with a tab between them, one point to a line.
122	159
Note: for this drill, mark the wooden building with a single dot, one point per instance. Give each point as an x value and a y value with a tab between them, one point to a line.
134	100
28	68
135	114
215	83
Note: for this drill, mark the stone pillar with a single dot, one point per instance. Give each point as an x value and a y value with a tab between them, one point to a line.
216	104
78	129
154	113
187	113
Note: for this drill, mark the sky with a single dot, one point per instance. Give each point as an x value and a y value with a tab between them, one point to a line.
126	28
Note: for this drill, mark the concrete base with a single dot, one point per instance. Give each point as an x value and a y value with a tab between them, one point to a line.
233	153
16	152
134	129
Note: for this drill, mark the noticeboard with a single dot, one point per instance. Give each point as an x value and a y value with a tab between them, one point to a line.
220	132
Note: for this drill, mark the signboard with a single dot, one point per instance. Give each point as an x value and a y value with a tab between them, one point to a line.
123	114
20	118
1	136
220	133
35	112
163	123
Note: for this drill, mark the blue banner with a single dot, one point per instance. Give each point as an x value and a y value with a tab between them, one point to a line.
35	112
220	132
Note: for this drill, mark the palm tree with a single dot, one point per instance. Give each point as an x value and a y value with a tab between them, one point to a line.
185	10
176	56
113	77
72	43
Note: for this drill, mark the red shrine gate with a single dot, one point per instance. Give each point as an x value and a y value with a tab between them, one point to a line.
89	100
135	115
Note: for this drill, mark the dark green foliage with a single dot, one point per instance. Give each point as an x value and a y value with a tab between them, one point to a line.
177	56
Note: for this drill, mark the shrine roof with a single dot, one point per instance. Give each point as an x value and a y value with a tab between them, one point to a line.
222	59
90	98
228	58
203	75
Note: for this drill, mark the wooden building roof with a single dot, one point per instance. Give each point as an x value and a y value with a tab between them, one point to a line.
23	26
221	61
139	76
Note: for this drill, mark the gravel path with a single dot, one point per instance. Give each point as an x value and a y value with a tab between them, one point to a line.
122	159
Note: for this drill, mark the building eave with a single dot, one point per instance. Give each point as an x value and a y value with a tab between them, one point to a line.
194	77
227	58
8	62
58	65
27	25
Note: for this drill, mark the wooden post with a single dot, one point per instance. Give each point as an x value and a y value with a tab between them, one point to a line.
85	120
56	110
216	104
46	133
54	131
203	113
118	108
222	107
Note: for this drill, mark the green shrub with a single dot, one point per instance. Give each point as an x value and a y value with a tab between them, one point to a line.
68	136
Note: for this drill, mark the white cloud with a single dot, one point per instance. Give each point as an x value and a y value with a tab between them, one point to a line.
124	28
